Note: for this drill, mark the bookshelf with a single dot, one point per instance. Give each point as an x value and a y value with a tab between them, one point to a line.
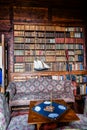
60	47
57	46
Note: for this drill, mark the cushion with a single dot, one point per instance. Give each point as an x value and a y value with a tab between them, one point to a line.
4	112
25	98
20	123
42	84
34	85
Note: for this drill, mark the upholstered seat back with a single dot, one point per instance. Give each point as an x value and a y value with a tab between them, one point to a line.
42	84
22	92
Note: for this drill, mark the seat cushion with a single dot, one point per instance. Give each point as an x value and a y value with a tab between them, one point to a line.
25	98
20	123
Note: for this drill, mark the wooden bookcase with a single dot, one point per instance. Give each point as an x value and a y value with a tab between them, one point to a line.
57	46
61	47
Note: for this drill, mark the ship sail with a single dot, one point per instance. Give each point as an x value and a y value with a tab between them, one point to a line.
40	65
45	65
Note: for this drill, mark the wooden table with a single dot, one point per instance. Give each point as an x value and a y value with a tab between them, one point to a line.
35	118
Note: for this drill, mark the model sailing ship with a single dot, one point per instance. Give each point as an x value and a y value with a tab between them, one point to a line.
40	65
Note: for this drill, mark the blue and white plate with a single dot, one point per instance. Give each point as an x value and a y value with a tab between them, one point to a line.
37	108
61	107
47	102
53	115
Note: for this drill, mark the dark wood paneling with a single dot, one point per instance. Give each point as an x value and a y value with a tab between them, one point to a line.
43	11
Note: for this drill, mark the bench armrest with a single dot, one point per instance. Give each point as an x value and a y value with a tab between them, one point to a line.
11	89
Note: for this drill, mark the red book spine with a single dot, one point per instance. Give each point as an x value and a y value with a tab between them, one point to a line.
59	40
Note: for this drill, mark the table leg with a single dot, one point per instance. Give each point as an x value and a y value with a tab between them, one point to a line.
38	126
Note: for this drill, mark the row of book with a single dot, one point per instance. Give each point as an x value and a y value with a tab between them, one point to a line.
77	78
63	66
39	40
56	53
68	46
22	56
48	34
81	78
46	28
55	66
48	40
19	39
20	59
75	66
21	67
39	52
69	40
19	33
76	58
71	29
81	89
20	46
77	48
